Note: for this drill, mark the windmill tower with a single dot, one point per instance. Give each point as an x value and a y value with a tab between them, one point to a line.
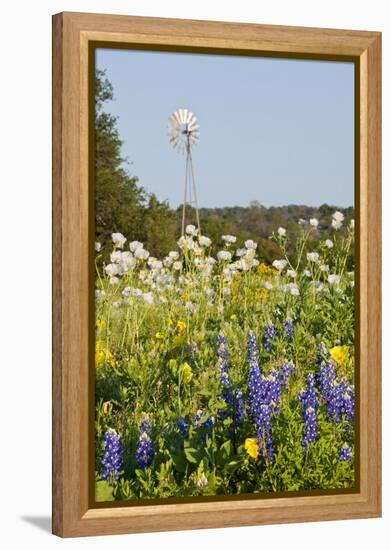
183	133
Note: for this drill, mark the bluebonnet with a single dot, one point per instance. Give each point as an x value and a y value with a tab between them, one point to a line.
144	451
269	333
234	398
288	330
145	423
309	413
231	396
342	402
182	426
207	423
270	390
322	354
204	426
345	453
262	395
222	359
285	372
326	381
253	376
349	402
339	397
112	455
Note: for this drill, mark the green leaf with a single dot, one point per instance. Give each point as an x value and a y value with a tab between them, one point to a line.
191	455
103	491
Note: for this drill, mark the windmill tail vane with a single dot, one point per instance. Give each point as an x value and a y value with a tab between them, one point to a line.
183	132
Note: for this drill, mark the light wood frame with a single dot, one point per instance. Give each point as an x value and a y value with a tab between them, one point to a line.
72	33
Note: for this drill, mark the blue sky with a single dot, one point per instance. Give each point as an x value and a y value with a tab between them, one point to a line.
274	130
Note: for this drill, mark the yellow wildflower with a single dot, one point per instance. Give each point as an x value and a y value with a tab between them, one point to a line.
160	335
100	323
170	323
340	354
106	407
184	296
187	373
233	317
102	354
251	446
181	326
264	269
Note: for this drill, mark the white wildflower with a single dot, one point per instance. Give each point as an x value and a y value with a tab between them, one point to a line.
307	273
112	269
135	245
229	239
324	268
279	264
148	297
202	481
250	244
204	241
338	216
314	222
351	224
291	273
141	254
302	221
224	255
226	291
98	246
281	231
116	256
267	285
157	265
294	289
127	261
118	240
114	280
335	224
174	255
99	293
191	229
186	243
241	252
177	266
313	257
329	243
334	279
337	219
137	293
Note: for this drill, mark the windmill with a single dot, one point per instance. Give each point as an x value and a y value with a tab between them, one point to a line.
183	133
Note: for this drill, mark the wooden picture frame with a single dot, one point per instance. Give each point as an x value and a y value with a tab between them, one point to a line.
73	34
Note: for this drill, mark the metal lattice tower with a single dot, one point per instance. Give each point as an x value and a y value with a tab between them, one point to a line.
183	133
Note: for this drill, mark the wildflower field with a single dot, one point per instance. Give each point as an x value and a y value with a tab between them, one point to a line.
217	374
